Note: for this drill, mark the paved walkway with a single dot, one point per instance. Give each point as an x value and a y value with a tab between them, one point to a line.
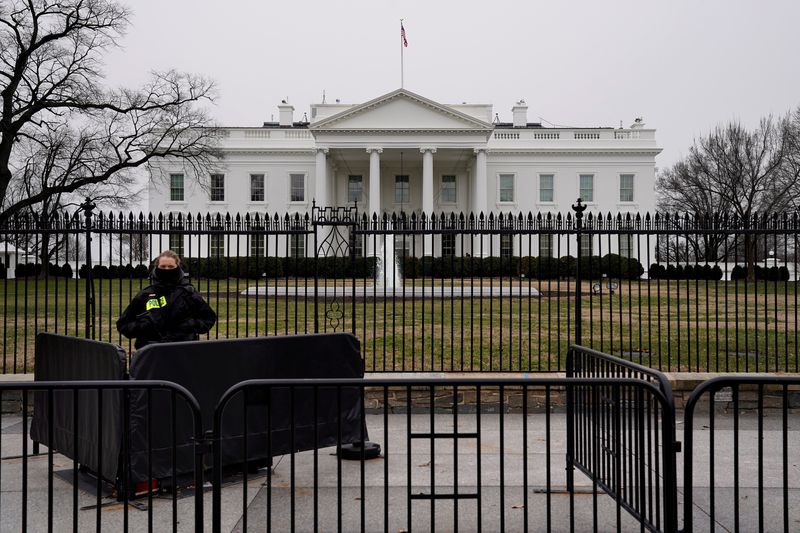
508	505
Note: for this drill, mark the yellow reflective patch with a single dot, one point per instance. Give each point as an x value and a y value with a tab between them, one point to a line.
156	303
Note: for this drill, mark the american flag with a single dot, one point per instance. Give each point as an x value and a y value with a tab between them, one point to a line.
403	35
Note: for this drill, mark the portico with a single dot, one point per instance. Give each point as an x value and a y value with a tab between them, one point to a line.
402	153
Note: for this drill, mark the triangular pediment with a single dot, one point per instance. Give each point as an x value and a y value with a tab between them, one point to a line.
401	110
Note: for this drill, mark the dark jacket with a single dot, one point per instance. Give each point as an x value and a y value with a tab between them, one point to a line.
166	313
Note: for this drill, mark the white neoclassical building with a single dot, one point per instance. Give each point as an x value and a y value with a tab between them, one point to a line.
404	152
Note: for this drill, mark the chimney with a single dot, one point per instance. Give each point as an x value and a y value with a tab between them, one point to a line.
286	113
637	124
520	112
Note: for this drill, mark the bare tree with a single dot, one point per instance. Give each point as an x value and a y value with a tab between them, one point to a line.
135	247
62	132
735	172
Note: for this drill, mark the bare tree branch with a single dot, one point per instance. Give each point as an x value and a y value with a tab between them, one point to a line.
62	131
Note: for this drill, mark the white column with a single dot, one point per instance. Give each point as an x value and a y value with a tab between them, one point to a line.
480	202
374	181
481	183
321	178
374	246
427	193
427	180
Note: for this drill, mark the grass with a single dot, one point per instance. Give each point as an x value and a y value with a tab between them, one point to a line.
676	326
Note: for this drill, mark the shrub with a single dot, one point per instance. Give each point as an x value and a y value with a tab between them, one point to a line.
690	272
539	267
616	266
566	266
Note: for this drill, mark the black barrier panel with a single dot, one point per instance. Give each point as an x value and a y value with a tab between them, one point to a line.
50	492
209	368
457	455
62	358
742	437
613	435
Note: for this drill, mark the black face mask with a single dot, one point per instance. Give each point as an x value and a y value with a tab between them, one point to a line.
168	276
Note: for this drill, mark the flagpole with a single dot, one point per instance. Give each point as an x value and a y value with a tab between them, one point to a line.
401	54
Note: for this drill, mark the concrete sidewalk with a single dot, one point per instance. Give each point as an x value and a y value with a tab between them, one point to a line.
499	477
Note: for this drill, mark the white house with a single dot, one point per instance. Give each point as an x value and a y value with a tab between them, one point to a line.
404	152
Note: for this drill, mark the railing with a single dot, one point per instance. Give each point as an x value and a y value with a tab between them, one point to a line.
639	469
457	454
554	134
104	442
584	362
297	134
741	436
257	134
442	293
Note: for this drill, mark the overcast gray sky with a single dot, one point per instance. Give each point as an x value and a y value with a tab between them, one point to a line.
682	65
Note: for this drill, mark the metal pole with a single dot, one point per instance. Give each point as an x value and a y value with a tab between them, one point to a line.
314	219
401	53
579	208
87	207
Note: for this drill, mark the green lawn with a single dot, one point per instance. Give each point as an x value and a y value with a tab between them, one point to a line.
715	326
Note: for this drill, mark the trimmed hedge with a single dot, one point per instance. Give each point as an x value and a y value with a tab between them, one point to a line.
714	273
115	271
611	265
34	270
775	273
690	272
364	267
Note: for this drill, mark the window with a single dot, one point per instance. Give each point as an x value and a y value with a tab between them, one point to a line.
355	188
586	192
176	243
297	245
176	188
506	187
625	245
545	245
506	245
545	187
402	193
403	245
257	242
216	245
257	188
448	245
586	245
448	192
217	187
626	187
298	187
356	244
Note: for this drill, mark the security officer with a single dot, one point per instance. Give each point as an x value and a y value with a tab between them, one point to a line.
168	310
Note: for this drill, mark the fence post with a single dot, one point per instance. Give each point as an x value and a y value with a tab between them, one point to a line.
314	218
87	207
579	208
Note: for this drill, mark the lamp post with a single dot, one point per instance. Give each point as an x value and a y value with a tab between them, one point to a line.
87	207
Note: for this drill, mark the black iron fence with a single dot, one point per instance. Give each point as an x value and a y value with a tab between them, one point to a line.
456	454
503	292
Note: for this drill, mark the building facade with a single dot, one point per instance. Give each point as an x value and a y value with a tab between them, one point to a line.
402	152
